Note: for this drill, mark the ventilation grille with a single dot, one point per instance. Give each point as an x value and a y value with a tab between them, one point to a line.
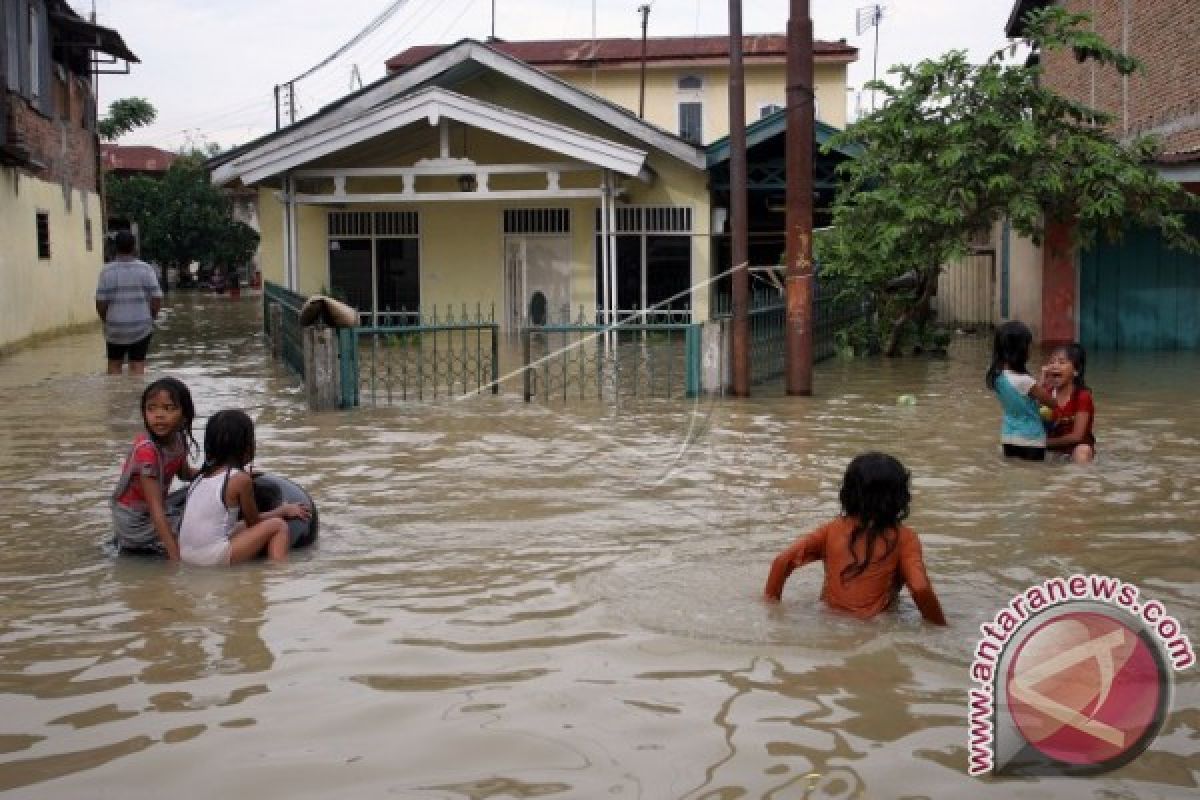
537	220
373	223
651	219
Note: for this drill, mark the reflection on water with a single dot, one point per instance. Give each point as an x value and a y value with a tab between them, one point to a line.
532	601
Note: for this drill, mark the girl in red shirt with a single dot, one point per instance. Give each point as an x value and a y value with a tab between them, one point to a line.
868	555
144	516
1073	412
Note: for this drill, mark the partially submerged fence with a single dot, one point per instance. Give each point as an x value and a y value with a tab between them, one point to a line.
456	352
832	312
437	357
281	323
589	361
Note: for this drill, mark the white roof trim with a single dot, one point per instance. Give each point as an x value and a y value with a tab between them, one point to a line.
432	104
519	71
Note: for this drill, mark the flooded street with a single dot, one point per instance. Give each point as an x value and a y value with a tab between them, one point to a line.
513	600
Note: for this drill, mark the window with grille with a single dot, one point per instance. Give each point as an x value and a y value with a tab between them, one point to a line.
43	235
691	83
691	122
87	233
652	250
537	220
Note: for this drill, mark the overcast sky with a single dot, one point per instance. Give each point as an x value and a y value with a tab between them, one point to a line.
209	66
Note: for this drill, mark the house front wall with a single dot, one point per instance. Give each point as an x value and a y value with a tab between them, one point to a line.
765	84
46	295
462	244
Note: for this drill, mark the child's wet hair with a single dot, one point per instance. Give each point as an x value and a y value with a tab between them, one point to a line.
1078	358
180	395
875	492
228	439
1010	350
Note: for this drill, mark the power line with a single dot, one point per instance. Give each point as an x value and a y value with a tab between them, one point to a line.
358	37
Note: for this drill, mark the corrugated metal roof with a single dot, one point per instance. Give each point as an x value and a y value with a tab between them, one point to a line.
135	158
588	52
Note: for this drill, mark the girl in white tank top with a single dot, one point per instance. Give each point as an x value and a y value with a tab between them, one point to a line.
211	533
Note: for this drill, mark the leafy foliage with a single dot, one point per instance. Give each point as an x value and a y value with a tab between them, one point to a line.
182	216
125	115
958	146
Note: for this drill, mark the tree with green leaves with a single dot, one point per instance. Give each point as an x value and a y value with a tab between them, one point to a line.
958	146
125	115
182	217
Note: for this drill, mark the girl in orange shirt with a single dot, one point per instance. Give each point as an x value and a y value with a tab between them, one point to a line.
868	555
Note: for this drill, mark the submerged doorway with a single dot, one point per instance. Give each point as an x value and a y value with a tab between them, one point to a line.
537	280
537	267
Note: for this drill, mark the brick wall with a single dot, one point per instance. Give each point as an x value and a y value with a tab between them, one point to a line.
1165	97
64	145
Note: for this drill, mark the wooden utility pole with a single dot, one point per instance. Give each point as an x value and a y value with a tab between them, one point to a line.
737	205
798	343
644	10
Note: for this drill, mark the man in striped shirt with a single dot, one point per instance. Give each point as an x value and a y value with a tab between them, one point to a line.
128	298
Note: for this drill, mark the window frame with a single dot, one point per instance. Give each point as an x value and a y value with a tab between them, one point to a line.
42	234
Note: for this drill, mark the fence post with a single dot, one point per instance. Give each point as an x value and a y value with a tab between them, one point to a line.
714	357
691	349
321	376
275	329
526	373
495	359
348	363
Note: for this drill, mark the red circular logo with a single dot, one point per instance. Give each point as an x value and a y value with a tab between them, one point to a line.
1084	688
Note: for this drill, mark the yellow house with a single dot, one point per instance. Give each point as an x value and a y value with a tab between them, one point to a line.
473	177
50	216
686	87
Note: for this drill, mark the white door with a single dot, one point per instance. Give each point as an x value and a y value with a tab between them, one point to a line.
537	280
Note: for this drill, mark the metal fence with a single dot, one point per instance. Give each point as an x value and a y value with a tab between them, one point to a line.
291	343
578	362
768	325
426	357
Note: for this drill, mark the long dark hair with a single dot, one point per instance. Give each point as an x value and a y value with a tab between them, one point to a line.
1010	350
228	437
1078	358
181	396
875	493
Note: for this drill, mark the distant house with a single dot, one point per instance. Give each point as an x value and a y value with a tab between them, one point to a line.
50	216
124	160
687	77
1135	294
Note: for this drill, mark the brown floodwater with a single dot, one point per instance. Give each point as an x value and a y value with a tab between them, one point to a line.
514	601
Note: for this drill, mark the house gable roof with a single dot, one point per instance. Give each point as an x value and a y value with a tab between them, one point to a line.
769	127
450	64
135	158
584	53
433	104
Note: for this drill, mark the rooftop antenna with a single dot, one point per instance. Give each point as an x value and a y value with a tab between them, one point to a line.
493	20
355	77
870	17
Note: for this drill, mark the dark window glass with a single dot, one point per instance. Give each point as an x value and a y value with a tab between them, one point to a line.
43	235
668	272
350	271
399	275
691	122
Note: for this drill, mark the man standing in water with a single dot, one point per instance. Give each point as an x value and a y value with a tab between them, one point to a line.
128	298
